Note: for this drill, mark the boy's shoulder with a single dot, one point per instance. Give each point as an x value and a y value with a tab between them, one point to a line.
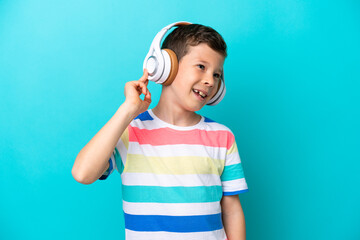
145	116
215	125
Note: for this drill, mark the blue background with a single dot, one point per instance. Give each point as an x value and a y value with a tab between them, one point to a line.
292	100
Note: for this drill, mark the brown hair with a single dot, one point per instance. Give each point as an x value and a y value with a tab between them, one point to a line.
192	35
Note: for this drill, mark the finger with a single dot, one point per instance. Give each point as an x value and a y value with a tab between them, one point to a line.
142	87
147	97
144	76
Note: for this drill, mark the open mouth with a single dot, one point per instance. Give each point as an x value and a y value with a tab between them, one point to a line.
200	93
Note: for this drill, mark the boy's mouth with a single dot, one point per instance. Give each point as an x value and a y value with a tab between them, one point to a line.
200	93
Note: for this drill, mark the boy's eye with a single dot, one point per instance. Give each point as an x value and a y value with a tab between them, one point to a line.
201	66
217	75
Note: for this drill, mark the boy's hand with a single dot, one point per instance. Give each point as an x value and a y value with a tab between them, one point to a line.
134	89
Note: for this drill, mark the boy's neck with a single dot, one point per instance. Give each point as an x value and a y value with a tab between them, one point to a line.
174	115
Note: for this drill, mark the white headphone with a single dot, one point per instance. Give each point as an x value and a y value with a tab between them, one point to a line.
162	64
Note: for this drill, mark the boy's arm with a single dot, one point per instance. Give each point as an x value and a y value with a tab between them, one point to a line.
233	217
92	160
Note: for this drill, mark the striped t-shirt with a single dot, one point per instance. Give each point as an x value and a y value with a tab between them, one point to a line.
173	178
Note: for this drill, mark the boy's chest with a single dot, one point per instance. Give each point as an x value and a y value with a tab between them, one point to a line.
176	159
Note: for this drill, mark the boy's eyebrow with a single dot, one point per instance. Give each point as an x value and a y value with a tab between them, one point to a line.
220	70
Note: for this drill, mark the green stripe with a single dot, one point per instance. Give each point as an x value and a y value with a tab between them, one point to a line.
118	161
171	194
232	172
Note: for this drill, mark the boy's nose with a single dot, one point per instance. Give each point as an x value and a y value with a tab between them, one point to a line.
209	80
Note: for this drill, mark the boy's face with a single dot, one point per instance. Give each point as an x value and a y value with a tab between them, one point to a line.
198	77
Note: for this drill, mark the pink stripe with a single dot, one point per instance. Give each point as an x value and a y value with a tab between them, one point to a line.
166	136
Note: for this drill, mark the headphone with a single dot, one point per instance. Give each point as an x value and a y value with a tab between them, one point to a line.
162	64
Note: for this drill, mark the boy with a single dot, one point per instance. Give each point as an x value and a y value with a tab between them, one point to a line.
181	172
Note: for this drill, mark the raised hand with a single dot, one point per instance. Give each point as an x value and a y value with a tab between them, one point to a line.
133	91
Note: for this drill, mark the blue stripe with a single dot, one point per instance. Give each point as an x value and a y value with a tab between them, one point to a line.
197	223
103	177
177	194
144	116
235	193
111	166
118	161
232	172
107	172
208	120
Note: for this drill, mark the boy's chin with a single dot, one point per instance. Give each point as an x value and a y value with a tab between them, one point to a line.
195	108
192	106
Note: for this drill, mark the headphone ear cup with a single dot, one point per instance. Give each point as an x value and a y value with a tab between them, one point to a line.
219	95
174	66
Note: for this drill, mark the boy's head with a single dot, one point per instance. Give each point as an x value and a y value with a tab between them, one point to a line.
201	52
184	36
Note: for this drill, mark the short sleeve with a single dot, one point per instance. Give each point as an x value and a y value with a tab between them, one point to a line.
118	157
232	178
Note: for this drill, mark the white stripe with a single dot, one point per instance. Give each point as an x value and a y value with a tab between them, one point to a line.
148	124
172	209
211	235
234	185
214	126
232	158
154	124
167	180
177	150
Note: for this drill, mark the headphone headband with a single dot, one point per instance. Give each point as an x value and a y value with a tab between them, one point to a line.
157	40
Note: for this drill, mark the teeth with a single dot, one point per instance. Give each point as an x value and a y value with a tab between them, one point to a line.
200	93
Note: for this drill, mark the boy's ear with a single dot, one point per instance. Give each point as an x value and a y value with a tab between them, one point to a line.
174	66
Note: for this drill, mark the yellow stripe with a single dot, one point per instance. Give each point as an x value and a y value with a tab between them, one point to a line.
173	165
232	149
125	138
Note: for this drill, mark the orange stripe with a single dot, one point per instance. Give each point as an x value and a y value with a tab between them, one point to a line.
167	136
